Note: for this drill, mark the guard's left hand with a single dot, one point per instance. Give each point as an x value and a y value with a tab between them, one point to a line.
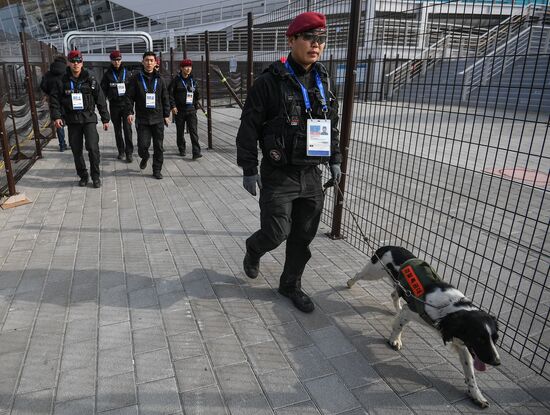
167	121
105	126
336	173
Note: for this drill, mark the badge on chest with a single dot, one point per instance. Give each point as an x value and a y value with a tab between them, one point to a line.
189	98
318	138
121	88
150	100
77	100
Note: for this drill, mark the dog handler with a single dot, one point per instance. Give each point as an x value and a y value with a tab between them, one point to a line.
285	111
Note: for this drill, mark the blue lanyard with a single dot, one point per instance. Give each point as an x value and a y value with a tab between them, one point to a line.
185	84
123	75
77	85
304	90
145	85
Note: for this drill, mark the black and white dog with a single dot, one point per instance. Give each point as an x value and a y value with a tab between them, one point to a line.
471	331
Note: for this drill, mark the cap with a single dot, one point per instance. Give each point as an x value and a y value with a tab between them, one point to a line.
186	62
305	22
74	54
115	54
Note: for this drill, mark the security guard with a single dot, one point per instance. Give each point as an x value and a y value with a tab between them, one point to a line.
73	102
285	111
184	99
148	92
114	84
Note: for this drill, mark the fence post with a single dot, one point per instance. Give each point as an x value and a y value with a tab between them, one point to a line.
347	114
382	78
208	96
30	92
6	153
203	77
250	56
367	77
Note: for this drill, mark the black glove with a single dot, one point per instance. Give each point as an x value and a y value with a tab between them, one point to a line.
249	183
336	173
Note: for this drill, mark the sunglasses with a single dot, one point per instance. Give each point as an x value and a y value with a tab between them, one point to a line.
314	37
75	60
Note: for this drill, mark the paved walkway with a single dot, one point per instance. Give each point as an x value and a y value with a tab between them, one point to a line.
131	299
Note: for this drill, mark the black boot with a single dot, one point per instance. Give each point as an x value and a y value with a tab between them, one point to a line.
299	298
251	266
83	181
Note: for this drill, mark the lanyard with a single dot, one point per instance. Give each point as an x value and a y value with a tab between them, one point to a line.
185	84
77	85
145	85
304	90
123	75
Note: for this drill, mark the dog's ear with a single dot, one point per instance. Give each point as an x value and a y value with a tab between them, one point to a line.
450	326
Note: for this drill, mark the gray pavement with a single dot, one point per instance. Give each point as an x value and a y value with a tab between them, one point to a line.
131	299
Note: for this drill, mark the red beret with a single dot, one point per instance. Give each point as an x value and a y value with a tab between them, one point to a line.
115	54
74	54
305	22
186	62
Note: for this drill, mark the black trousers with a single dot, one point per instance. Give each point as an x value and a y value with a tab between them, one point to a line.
78	135
145	134
189	118
120	123
291	202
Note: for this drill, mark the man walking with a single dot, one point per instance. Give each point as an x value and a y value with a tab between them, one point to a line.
114	84
73	102
148	92
184	100
49	82
285	111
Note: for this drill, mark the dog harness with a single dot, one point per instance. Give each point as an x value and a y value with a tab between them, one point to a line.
414	275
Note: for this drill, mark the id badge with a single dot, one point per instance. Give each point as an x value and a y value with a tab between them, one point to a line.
189	98
318	138
77	100
121	89
150	100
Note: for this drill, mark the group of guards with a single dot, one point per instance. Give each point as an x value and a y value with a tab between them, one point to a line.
291	112
75	94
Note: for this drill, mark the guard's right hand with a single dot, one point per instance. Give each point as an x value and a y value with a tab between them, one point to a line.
175	111
249	183
58	123
130	119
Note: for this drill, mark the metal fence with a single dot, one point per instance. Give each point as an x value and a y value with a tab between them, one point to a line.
448	152
24	114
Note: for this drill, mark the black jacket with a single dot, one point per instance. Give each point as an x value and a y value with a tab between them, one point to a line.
135	94
53	77
61	102
109	84
274	110
178	93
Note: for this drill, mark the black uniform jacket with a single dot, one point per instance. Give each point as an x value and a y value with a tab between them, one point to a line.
52	78
109	84
136	94
61	104
265	101
178	93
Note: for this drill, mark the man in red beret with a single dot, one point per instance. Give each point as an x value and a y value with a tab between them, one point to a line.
286	111
114	84
73	102
184	100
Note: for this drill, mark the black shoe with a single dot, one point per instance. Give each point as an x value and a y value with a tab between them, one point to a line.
157	175
197	156
251	266
83	182
97	183
129	158
143	164
62	148
120	156
182	153
299	298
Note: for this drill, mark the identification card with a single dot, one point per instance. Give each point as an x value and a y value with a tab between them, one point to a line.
150	100
189	98
77	100
121	89
318	138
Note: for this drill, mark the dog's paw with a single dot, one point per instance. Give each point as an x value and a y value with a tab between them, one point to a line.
350	283
479	399
395	344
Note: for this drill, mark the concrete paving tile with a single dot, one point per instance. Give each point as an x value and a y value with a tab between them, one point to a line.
84	406
152	366
168	285
193	373
143	298
331	395
76	384
13	340
115	361
80	354
7	389
239	310
116	391
38	375
159	397
179	321
11	363
129	410
290	336
149	339
185	345
38	402
374	348
379	399
331	341
447	380
114	335
537	387
275	313
265	357
309	362
225	351
78	330
251	331
429	400
500	388
283	388
354	370
143	318
302	408
229	292
203	401
467	406
401	376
